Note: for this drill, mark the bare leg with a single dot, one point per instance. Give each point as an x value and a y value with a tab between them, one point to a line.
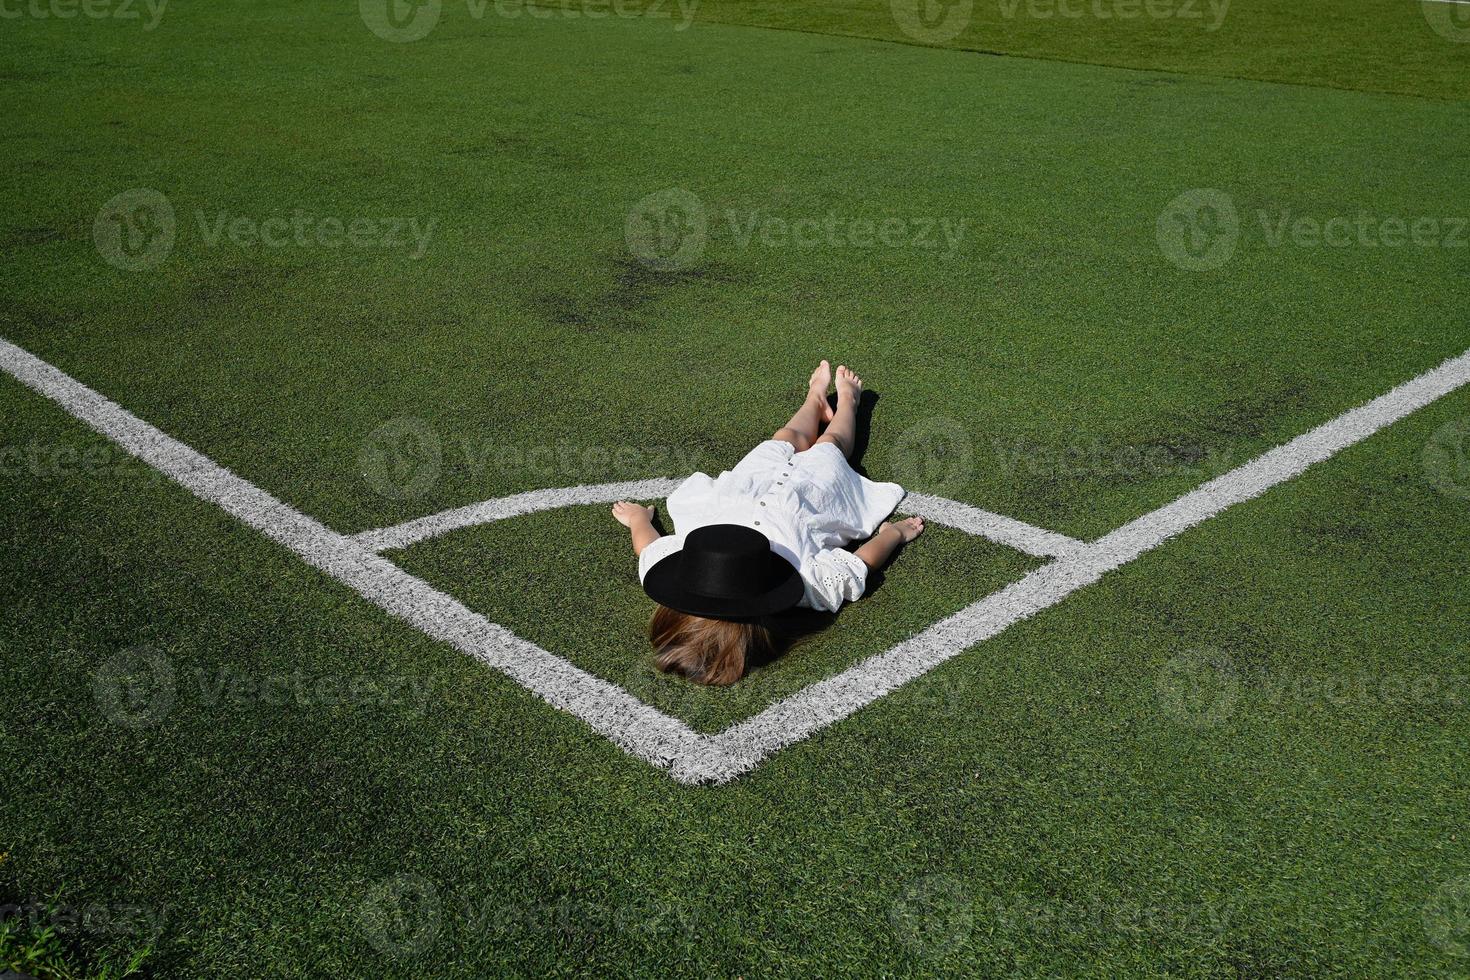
842	430
802	430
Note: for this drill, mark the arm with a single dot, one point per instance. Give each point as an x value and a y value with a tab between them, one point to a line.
878	549
639	522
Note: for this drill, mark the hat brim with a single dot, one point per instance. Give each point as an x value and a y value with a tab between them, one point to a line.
664	585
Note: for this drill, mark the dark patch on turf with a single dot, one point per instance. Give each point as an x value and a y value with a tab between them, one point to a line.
1244	417
21	317
1343	526
566	311
1256	415
19	238
1245	650
1340	531
625	302
513	145
1235	648
1055	475
232	285
1201	449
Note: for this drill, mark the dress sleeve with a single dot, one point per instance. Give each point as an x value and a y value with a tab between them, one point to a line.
658	550
832	577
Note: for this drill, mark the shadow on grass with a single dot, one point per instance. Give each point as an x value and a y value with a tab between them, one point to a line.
866	404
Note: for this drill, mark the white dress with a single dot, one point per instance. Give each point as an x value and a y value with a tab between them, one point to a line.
809	505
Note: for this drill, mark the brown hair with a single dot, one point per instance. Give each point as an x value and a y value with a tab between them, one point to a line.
706	651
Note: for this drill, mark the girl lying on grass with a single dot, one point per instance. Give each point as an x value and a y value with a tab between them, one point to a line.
763	538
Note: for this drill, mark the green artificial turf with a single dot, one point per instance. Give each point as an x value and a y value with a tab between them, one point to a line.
1055	336
1412	48
1244	754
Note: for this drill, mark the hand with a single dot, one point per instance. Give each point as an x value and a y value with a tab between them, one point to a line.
629	514
909	528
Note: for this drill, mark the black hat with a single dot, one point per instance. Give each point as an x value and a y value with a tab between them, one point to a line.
725	571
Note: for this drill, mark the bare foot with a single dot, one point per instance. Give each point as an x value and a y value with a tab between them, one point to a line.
817	389
910	528
849	385
628	514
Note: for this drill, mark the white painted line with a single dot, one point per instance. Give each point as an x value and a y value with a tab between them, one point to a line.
997	527
639	729
633	725
941	510
403	535
744	745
